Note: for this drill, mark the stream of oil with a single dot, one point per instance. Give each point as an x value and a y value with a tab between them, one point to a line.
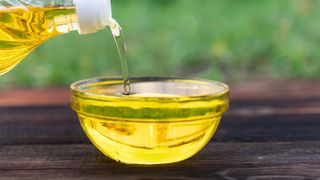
120	42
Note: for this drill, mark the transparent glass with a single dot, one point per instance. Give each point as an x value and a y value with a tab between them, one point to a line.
164	120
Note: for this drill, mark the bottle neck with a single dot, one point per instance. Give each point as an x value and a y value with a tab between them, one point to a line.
88	17
93	15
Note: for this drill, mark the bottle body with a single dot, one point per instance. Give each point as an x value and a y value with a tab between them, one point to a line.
25	24
24	27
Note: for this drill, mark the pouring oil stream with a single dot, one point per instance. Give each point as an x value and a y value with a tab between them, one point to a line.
120	42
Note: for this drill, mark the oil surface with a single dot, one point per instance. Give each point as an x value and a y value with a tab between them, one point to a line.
147	128
22	30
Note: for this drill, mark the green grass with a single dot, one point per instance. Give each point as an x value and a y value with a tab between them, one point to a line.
223	40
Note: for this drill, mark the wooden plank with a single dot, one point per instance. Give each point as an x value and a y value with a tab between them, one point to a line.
282	160
269	128
59	124
34	97
44	124
240	92
259	112
274	90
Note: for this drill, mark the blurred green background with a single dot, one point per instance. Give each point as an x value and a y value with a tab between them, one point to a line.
224	40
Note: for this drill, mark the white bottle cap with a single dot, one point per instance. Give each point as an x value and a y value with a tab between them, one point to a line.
93	15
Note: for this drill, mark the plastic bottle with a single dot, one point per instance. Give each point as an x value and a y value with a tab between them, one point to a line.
25	24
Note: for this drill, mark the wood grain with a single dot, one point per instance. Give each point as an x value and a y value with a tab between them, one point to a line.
39	124
270	132
281	160
261	122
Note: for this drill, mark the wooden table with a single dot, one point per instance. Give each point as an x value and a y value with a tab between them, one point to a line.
272	130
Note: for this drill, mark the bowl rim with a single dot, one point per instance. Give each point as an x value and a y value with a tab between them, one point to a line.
116	79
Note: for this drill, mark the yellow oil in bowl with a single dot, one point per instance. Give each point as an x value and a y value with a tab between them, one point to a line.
165	120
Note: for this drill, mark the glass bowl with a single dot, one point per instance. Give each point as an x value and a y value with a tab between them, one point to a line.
163	120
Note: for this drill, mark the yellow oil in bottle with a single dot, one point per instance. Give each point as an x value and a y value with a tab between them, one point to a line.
148	127
23	29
